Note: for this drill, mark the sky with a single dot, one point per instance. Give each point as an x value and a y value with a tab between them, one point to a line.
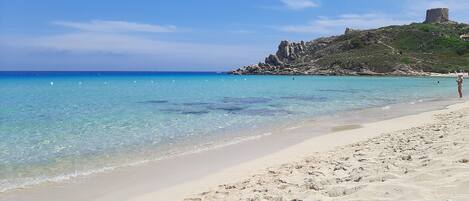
183	35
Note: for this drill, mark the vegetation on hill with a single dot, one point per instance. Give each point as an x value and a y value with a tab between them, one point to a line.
437	46
409	49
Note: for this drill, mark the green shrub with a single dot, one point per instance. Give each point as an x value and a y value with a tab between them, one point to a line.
406	60
451	44
357	43
428	27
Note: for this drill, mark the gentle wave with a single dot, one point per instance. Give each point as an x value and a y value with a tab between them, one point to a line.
6	185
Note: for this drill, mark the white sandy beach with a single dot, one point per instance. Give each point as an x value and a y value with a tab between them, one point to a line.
454	75
416	157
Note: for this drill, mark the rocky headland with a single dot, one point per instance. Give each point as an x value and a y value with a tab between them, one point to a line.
436	45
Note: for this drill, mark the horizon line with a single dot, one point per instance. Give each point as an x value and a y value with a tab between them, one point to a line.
111	71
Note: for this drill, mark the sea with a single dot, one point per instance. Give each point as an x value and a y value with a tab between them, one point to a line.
55	126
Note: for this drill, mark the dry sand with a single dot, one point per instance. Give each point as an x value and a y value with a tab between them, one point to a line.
416	157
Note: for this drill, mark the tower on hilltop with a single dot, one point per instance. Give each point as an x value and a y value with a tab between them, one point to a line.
437	15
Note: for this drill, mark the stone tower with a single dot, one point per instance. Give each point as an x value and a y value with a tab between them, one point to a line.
437	15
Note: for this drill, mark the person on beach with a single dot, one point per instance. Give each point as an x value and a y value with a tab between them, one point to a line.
460	81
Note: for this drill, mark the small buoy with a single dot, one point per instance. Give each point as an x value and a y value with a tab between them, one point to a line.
51	83
135	81
79	83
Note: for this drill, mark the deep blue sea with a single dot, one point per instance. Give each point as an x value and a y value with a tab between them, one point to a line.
57	125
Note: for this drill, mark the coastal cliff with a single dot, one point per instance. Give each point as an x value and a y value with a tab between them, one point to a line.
437	45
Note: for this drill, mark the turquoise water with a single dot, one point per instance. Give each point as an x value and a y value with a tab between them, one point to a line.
54	126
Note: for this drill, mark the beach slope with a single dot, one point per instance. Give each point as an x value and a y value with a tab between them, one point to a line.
416	157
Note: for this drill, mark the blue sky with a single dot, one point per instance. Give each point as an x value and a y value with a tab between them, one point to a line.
183	35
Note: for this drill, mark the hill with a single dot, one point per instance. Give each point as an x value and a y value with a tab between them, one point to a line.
413	49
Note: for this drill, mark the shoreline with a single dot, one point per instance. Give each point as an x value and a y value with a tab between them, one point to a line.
296	153
57	189
422	74
426	159
324	124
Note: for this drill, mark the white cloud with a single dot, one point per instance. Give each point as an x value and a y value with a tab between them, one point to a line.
151	51
100	39
241	31
122	44
115	26
325	25
422	5
299	4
